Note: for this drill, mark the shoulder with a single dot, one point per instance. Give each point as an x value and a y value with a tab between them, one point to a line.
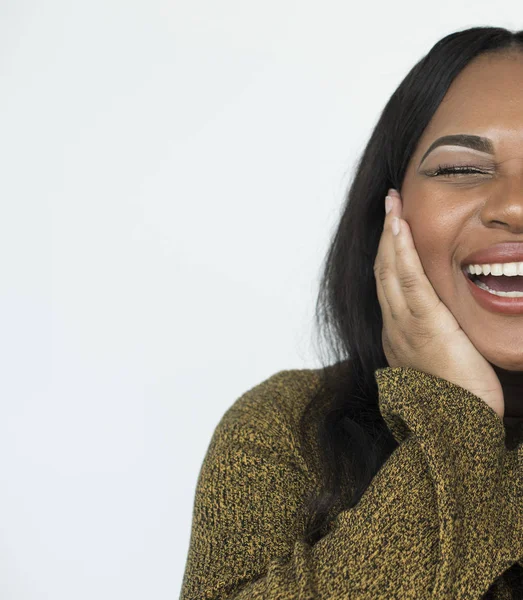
280	397
267	416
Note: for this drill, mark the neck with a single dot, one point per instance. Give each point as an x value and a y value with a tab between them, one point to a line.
512	384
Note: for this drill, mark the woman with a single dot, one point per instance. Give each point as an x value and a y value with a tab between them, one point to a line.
395	472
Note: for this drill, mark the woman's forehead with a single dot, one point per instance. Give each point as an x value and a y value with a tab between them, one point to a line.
486	102
489	90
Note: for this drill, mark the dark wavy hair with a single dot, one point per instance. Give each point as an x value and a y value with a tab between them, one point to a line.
353	438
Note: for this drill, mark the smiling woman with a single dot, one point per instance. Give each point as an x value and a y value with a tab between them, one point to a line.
397	470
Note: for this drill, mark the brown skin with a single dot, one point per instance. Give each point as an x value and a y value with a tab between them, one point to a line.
452	215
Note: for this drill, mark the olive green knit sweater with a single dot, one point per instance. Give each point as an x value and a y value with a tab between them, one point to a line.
441	519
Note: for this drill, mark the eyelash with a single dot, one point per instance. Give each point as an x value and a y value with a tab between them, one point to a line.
442	170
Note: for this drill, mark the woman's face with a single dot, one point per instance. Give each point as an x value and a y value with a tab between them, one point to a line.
453	215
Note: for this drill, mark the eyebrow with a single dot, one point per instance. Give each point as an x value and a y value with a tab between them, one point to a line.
475	142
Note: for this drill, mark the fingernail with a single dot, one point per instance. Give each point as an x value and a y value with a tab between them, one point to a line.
392	191
395	226
388	204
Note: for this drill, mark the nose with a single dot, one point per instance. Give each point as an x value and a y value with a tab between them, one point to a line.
504	207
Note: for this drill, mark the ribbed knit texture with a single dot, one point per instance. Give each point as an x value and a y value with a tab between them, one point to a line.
442	518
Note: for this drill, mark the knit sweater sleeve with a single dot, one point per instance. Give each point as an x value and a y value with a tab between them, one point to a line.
441	519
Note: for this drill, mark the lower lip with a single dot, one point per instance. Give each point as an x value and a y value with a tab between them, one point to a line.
492	303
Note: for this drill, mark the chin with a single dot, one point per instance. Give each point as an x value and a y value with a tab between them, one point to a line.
507	364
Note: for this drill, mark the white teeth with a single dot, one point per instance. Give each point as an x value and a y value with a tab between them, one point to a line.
496	293
507	269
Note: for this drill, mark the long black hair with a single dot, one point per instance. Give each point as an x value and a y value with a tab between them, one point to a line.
354	440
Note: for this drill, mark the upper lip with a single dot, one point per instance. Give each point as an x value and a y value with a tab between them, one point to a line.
498	253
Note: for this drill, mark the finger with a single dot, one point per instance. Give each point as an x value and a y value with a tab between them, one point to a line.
417	290
390	295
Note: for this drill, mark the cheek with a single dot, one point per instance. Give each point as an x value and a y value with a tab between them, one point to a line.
434	240
435	223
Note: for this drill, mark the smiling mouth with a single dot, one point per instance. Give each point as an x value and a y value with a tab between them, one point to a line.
473	277
507	293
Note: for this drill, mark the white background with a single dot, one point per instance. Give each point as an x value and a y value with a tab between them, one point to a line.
170	177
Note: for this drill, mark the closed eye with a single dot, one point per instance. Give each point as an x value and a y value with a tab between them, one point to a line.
446	170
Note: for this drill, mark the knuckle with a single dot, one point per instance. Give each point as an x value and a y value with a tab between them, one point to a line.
382	271
408	280
394	314
420	329
425	312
